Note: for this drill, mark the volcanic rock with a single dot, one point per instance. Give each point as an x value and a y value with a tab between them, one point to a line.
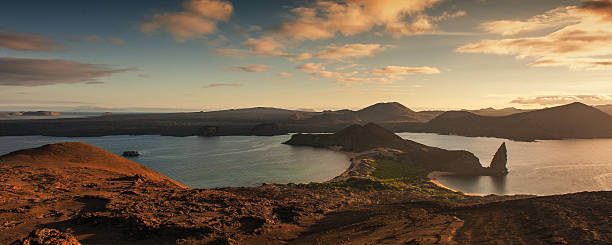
130	154
499	162
208	131
46	236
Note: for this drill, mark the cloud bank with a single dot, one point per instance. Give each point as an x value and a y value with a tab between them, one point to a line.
549	100
215	85
324	19
248	68
26	42
38	72
199	18
584	37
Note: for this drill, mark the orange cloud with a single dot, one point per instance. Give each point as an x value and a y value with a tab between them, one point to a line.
558	17
266	46
334	52
549	100
285	74
37	72
215	85
403	70
200	18
26	42
311	67
324	19
585	36
248	68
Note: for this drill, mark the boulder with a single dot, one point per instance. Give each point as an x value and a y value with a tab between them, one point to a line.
130	154
266	129
47	236
208	131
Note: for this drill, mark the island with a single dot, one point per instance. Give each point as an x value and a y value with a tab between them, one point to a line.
371	139
571	121
73	193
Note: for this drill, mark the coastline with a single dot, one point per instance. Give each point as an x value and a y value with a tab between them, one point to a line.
433	178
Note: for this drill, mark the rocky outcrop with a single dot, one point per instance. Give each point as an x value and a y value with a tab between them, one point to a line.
16	113
2	114
130	154
358	138
46	236
41	113
266	129
499	162
208	131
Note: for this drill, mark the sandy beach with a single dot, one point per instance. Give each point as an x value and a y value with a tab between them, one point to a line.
433	178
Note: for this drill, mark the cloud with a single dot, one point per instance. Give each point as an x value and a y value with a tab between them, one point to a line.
285	74
349	66
585	35
248	68
38	72
549	100
333	52
199	18
553	18
331	74
574	63
403	70
302	56
324	19
26	42
350	81
386	74
85	39
116	40
94	39
311	67
266	46
215	85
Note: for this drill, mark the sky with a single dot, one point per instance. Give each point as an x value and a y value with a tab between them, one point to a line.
196	55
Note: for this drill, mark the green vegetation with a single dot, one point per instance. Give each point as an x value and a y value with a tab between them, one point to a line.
390	169
352	183
387	174
404	177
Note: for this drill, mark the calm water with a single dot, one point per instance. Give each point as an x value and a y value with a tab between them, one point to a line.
541	168
213	162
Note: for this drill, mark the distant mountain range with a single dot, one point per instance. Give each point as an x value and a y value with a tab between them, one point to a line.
380	112
574	120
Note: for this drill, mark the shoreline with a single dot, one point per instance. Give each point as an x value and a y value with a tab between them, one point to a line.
433	178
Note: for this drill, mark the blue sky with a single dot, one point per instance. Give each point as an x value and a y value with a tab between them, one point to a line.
176	54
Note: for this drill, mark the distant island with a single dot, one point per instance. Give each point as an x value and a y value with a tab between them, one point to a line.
34	113
572	121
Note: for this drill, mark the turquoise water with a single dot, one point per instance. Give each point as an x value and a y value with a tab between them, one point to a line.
212	162
541	168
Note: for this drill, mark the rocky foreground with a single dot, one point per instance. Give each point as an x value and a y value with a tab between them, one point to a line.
71	193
